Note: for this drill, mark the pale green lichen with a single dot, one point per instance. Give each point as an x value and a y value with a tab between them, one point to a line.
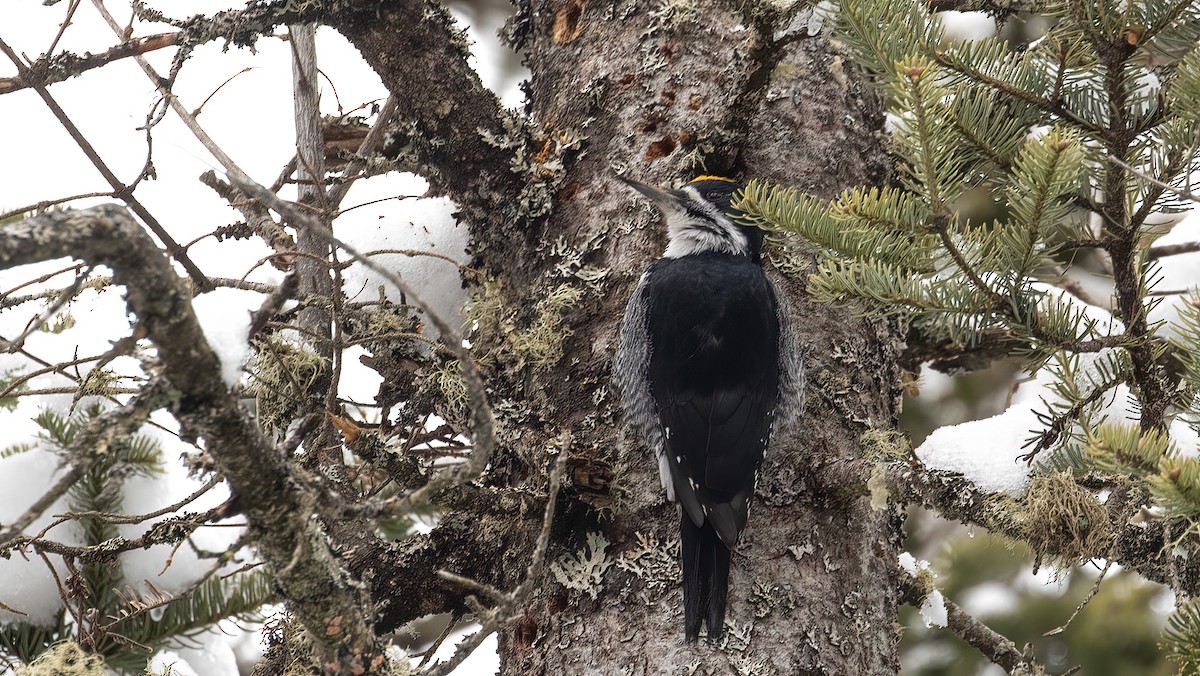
542	343
497	339
584	570
98	382
652	561
447	378
673	14
1064	522
766	596
877	485
281	373
65	659
883	445
736	639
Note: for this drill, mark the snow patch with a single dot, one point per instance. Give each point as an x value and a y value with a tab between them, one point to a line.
962	26
224	315
26	583
425	225
933	609
987	452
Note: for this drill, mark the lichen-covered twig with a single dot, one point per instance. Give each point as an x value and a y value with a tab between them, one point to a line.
277	508
1138	547
50	69
983	638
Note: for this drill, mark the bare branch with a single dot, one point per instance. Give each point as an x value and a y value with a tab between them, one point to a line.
104	517
1157	252
448	115
38	207
983	638
509	604
277	508
49	70
1137	547
258	220
119	188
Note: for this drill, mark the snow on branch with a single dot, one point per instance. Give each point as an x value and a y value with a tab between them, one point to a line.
916	590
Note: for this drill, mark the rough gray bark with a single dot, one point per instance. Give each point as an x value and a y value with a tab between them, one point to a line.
654	94
665	94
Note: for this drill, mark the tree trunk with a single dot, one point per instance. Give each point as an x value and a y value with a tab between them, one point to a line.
662	92
665	92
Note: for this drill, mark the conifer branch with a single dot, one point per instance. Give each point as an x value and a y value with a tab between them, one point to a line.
1177	162
991	644
87	449
1062	421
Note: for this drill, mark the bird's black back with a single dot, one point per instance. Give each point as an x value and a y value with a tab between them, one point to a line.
714	376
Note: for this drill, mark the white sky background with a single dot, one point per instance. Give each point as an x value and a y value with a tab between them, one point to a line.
251	118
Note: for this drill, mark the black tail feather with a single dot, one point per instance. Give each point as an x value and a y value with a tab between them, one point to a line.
705	560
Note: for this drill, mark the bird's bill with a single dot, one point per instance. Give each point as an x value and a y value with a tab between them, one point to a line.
665	199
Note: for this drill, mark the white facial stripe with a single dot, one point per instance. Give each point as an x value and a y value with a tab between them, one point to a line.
709	230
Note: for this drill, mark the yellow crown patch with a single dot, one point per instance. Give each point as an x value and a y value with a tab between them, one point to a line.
707	177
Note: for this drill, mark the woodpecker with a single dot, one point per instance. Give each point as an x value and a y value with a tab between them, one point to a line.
707	366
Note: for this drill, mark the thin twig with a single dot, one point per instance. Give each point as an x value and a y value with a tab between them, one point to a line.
437	643
108	391
119	188
1054	431
369	144
1082	604
483	422
504	611
40	321
429	254
72	65
15	385
1178	192
62	27
107	517
38	207
983	638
